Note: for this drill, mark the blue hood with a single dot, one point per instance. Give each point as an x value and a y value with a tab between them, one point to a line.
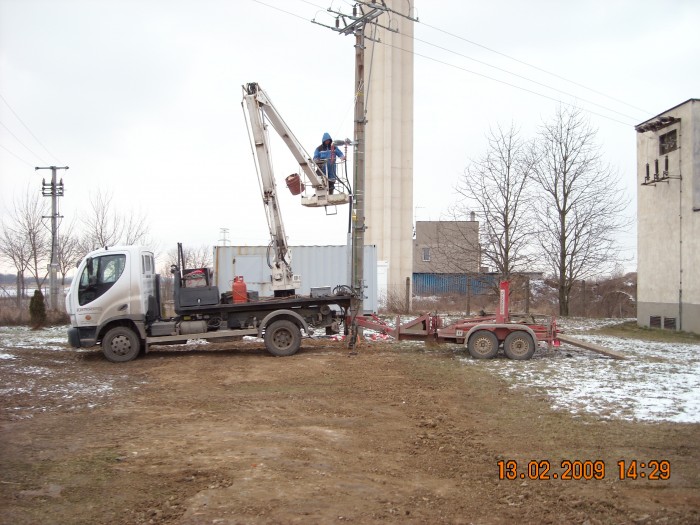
326	136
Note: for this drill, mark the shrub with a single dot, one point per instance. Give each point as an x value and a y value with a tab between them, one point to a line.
37	310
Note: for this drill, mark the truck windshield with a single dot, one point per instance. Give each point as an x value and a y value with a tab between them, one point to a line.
99	275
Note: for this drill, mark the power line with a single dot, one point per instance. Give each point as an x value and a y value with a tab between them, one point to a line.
525	78
504	82
534	67
27	128
17	156
280	9
22	143
504	70
521	62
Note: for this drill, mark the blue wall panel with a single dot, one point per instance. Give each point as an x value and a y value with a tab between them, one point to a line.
451	283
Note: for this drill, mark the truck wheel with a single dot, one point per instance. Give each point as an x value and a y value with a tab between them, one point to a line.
483	345
282	338
120	344
519	345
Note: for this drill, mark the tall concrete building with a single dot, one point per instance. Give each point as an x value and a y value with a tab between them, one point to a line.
389	144
668	214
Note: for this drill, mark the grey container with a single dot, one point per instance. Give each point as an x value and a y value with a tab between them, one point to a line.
318	266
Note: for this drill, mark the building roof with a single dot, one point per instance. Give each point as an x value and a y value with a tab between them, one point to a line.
649	121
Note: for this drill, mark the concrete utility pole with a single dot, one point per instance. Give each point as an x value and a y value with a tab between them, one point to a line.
363	14
54	190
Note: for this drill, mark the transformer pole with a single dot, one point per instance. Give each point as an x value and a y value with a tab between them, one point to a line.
358	212
54	190
364	13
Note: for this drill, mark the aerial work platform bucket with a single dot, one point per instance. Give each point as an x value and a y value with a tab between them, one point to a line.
325	199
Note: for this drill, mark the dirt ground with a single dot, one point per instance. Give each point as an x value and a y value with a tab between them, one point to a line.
395	434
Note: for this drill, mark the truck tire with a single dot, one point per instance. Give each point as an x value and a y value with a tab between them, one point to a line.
483	345
282	338
519	345
121	344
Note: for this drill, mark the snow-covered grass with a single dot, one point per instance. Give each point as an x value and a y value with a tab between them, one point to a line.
658	381
39	373
19	337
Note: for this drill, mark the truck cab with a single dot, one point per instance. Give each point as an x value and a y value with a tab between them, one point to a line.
114	287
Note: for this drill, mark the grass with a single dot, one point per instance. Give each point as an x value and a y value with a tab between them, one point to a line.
630	329
10	315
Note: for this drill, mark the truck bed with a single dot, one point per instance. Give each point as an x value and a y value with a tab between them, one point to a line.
269	304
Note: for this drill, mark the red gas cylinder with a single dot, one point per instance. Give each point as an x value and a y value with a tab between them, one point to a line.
294	184
240	290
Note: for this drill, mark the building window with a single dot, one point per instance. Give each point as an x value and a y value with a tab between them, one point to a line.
668	142
426	254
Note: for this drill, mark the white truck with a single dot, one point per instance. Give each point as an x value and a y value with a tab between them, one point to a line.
115	303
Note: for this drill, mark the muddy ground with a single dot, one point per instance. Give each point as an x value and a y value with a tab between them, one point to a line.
395	434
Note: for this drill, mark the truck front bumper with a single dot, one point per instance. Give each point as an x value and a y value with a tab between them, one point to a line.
81	338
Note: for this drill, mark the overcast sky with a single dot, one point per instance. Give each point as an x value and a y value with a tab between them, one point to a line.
141	98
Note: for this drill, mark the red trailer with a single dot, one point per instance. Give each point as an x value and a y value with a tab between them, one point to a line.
483	335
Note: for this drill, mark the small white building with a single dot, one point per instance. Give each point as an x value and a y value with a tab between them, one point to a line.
668	214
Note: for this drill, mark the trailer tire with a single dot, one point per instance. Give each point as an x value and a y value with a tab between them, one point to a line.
519	345
121	344
483	345
282	338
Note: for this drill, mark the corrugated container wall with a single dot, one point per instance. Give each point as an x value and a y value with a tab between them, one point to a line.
425	284
318	266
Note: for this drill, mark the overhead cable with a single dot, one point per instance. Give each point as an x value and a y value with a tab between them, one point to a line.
504	82
17	156
23	144
29	130
534	67
526	78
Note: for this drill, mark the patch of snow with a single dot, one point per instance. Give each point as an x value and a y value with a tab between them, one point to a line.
656	382
30	373
22	337
196	342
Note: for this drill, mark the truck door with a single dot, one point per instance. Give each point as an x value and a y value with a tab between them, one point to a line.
103	289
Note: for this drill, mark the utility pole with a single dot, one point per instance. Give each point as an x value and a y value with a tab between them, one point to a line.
224	235
54	190
364	13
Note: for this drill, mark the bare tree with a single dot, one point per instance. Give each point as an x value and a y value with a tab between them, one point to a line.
496	187
14	250
194	257
69	252
26	228
582	206
106	226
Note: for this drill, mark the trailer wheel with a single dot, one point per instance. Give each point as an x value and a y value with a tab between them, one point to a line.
282	338
483	345
120	344
519	345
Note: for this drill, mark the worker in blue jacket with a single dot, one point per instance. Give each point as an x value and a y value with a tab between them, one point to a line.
325	156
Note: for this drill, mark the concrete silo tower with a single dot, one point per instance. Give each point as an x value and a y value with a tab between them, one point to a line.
389	143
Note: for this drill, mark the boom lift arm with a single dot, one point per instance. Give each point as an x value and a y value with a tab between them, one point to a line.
259	109
257	101
283	281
